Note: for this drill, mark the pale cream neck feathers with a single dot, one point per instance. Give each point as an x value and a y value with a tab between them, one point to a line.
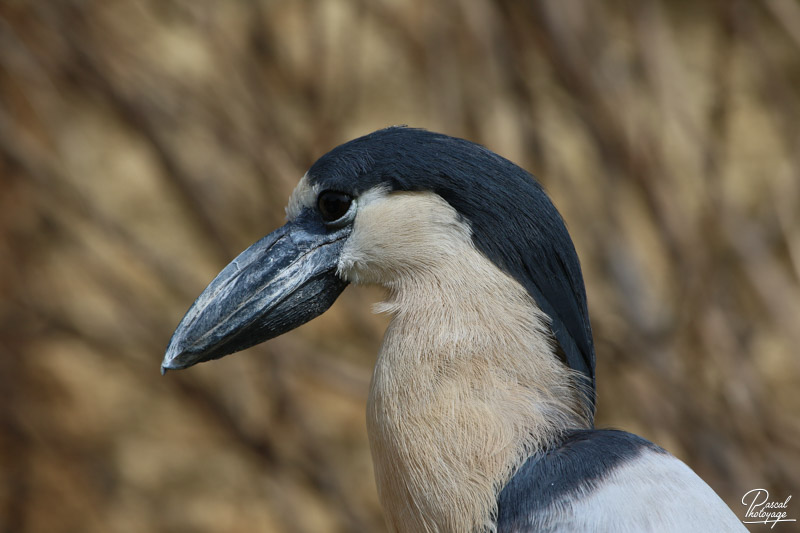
466	383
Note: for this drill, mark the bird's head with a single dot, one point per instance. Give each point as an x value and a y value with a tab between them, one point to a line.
386	209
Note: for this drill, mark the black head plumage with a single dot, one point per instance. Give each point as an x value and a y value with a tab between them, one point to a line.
513	221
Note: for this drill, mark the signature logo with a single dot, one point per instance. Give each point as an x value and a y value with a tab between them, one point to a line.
760	510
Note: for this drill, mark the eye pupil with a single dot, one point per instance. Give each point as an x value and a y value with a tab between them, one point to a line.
333	205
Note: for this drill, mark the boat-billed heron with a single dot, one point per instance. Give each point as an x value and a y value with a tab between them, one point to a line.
481	405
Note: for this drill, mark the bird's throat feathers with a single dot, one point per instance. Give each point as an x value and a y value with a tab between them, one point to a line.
467	383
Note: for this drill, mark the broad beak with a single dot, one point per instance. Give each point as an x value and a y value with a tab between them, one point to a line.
279	283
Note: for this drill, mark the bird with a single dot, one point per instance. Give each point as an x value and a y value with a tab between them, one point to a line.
480	413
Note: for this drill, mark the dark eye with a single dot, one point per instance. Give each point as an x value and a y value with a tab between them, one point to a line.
333	205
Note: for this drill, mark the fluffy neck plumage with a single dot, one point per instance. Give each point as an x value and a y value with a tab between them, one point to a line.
467	383
465	387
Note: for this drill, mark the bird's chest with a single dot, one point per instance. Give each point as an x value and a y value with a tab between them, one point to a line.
438	454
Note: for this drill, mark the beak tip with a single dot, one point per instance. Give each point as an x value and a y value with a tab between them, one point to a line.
171	364
173	359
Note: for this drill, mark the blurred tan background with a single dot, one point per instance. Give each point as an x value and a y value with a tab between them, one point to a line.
145	143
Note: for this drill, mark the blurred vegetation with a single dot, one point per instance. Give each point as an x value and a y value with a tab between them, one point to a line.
143	143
